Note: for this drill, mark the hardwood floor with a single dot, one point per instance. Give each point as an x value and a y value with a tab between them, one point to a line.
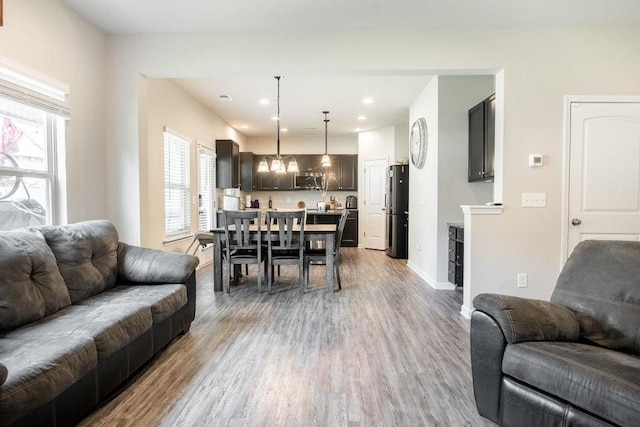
386	350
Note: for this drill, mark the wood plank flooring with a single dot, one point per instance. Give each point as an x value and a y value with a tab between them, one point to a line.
386	350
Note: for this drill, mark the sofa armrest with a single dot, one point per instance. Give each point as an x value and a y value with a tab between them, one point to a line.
152	266
4	372
522	319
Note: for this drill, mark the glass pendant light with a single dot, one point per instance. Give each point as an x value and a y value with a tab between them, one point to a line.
326	161
278	162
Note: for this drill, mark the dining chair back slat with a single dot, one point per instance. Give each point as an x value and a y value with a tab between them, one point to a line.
283	245
242	246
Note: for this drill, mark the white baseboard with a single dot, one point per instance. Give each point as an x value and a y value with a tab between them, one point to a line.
466	311
446	286
430	280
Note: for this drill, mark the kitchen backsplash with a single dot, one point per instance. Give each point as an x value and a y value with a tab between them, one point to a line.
290	199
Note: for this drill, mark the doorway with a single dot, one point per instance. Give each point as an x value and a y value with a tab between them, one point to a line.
602	180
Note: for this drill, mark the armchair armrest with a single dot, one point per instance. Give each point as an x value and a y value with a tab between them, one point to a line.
500	320
143	265
524	319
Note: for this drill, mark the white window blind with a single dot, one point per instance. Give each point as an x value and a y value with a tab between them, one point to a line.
206	212
177	187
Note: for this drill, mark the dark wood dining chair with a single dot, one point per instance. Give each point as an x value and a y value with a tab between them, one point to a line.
284	246
240	246
312	254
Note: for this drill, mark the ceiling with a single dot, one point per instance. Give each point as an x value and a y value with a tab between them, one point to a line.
168	16
303	98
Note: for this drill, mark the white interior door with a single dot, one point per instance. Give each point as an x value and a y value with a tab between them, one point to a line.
375	174
604	172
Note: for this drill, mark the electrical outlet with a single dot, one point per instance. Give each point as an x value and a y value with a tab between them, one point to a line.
288	199
534	200
522	280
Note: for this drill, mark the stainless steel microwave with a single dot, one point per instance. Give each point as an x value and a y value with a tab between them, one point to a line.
307	180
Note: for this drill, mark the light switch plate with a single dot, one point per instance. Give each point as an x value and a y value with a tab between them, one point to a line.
534	200
535	160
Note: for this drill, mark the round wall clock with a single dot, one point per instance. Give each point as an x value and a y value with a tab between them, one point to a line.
418	142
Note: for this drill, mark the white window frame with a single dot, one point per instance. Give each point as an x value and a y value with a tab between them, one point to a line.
28	87
174	234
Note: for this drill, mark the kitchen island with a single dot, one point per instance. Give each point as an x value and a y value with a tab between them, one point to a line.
350	234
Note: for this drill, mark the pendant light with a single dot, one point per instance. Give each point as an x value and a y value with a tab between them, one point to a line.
278	162
326	161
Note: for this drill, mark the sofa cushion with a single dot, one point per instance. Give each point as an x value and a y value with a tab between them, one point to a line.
39	370
600	282
600	381
164	300
86	253
111	327
31	286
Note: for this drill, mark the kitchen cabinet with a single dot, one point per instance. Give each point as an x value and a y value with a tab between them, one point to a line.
227	164
309	162
248	172
482	119
350	233
271	181
345	169
456	254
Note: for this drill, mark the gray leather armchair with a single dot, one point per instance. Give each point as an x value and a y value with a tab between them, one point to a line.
571	361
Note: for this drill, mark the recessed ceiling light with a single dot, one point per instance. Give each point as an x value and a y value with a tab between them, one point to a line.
264	101
274	118
362	117
284	130
367	101
224	98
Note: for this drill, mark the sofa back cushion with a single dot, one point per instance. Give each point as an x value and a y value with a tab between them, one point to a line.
31	286
601	283
86	253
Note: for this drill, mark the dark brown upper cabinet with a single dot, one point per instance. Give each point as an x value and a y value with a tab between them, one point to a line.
228	164
482	119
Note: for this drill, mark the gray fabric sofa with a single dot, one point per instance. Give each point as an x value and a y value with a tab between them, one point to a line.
80	312
573	361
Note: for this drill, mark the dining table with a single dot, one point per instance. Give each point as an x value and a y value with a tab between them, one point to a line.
312	233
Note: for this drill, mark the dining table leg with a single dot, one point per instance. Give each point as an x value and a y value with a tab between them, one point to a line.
217	263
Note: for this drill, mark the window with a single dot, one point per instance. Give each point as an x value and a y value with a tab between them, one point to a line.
32	121
177	185
206	211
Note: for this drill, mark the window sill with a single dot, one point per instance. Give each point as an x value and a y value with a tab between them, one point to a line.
170	240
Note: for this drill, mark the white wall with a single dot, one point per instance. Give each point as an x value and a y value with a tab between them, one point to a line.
402	142
540	68
46	36
456	94
162	103
338	144
423	190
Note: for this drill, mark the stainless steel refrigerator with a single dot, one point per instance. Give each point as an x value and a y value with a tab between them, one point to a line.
398	211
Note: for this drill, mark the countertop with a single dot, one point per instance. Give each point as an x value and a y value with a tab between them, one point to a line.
337	211
456	224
